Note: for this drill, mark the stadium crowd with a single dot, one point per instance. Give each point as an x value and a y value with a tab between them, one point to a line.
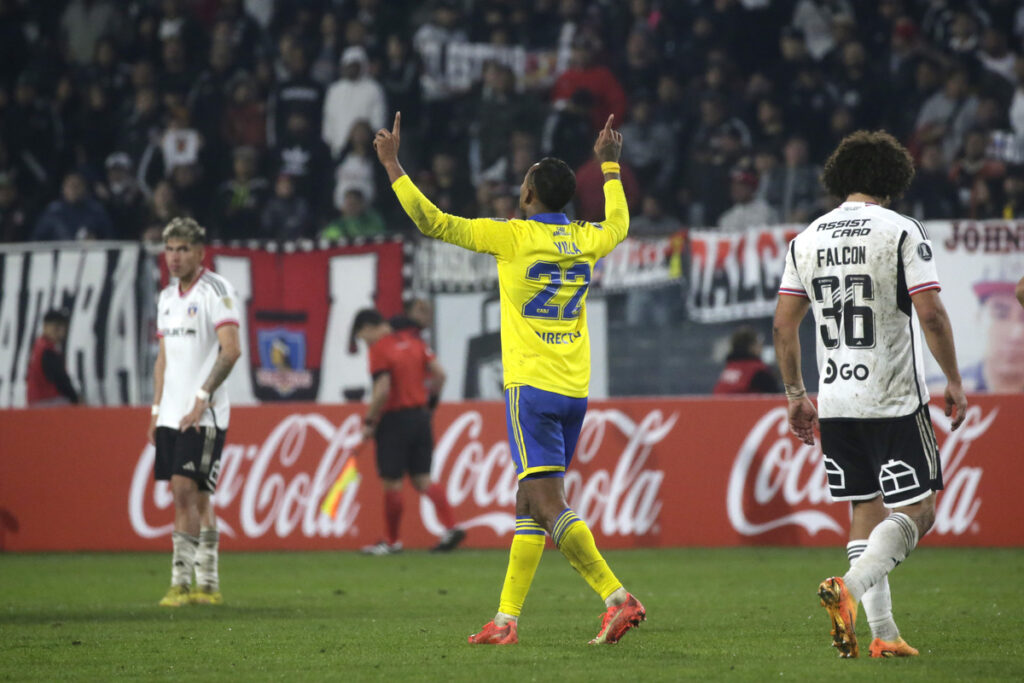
256	117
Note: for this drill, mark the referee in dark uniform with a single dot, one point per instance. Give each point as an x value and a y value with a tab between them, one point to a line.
403	366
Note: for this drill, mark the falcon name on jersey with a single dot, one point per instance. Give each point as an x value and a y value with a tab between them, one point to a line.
859	265
187	322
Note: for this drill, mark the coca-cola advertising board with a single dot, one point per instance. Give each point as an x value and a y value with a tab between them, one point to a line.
647	473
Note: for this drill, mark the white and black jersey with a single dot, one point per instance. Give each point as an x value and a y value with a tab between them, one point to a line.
187	322
859	265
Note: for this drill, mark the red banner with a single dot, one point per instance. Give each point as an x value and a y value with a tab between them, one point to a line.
651	472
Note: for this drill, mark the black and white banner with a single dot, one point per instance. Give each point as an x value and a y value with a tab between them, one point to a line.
98	285
635	263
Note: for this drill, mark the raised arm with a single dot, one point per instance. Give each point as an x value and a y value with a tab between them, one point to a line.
607	149
481	234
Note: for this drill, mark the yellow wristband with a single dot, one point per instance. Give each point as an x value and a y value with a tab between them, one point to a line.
610	167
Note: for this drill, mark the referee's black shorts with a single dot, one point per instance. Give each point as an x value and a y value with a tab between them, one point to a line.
405	443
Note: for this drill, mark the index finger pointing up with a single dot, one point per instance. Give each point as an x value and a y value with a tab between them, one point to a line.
398	123
608	123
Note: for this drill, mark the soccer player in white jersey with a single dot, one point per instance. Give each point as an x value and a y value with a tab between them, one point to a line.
865	270
197	323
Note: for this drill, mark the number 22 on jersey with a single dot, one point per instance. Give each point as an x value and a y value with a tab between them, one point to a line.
575	277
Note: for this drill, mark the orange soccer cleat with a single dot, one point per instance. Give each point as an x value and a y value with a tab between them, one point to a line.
492	634
842	610
619	619
891	648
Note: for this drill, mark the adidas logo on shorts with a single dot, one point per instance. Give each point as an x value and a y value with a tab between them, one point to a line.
189	467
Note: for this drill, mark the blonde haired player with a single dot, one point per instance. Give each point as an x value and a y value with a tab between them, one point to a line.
544	268
197	323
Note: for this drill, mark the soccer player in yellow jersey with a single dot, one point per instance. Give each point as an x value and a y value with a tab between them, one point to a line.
544	268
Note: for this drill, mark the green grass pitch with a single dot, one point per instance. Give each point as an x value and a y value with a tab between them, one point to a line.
743	614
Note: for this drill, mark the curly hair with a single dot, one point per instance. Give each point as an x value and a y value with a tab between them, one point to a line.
869	162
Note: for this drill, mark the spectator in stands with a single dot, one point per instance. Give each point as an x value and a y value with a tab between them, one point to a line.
355	96
240	199
241	28
499	111
176	74
815	19
745	372
430	39
747	210
93	129
584	73
716	147
453	193
357	169
931	194
121	194
208	96
286	215
14	220
84	23
175	21
324	69
567	131
858	86
793	189
400	77
304	157
48	383
646	152
652	220
1016	112
947	115
194	191
638	70
140	132
180	144
297	92
75	216
793	51
358	219
1013	193
160	209
995	55
976	175
808	105
32	131
245	119
107	70
769	130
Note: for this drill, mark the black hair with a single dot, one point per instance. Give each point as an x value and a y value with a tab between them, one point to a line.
554	182
56	315
364	318
869	162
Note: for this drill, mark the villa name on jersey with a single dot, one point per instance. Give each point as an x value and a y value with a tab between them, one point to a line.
842	256
568	248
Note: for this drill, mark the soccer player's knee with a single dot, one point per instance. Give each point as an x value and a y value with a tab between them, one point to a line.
923	514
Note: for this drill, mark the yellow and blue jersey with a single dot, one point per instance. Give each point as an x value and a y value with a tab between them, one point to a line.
545	264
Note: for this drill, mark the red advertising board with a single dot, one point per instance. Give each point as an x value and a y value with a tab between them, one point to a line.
647	473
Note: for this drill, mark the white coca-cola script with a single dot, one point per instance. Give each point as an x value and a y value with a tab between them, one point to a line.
268	488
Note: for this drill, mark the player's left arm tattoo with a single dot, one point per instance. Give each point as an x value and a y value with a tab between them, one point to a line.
230	350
